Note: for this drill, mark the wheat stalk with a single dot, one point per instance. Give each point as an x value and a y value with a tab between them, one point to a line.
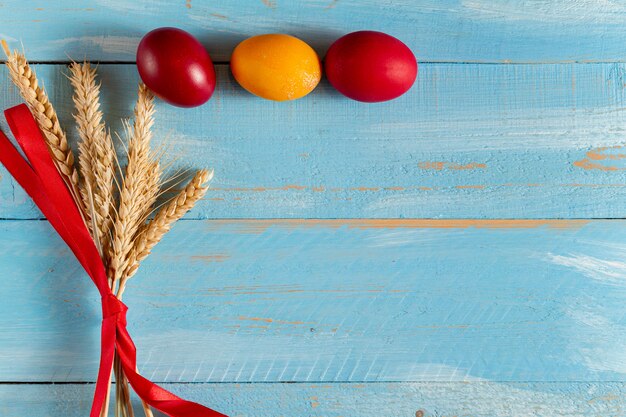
138	192
37	100
140	186
154	231
96	152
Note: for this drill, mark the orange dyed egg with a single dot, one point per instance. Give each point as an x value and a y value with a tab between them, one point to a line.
276	67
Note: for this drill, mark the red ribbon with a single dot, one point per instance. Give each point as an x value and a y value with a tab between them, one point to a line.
40	178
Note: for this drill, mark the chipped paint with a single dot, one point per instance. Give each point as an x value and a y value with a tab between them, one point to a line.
314	401
596	159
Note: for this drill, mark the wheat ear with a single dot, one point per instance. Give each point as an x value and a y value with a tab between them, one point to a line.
36	98
96	152
140	185
154	231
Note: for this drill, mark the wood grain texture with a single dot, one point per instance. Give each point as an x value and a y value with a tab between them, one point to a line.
419	317
477	399
332	301
468	141
436	30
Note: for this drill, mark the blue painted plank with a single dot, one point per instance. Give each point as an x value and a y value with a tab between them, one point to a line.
471	141
333	301
437	30
479	399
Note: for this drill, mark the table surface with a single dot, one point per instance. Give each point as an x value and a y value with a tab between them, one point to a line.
455	252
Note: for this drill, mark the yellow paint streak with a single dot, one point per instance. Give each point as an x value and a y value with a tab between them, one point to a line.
219	16
365	189
210	258
262	225
470	187
268	320
440	165
294	187
270	3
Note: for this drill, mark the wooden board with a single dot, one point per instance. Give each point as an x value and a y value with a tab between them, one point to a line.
334	300
469	141
437	30
479	399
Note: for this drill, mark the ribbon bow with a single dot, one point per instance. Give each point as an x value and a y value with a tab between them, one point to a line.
40	178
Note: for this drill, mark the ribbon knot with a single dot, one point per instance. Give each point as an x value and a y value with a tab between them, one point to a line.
112	306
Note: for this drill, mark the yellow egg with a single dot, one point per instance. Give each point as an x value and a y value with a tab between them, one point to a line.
276	67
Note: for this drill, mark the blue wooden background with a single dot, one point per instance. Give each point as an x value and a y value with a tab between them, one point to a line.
456	252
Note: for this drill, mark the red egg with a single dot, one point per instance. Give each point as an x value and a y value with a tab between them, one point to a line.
370	66
176	67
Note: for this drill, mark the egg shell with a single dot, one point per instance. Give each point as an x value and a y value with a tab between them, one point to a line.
176	67
276	67
370	66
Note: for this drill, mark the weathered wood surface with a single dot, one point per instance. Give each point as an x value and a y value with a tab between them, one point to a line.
469	141
476	399
437	30
445	317
333	301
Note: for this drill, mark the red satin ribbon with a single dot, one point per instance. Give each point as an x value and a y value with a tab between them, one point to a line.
41	180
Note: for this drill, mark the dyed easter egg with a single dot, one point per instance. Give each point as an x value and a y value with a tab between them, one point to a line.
276	67
370	66
176	67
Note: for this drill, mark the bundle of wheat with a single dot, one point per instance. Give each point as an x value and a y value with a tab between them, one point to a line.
116	202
